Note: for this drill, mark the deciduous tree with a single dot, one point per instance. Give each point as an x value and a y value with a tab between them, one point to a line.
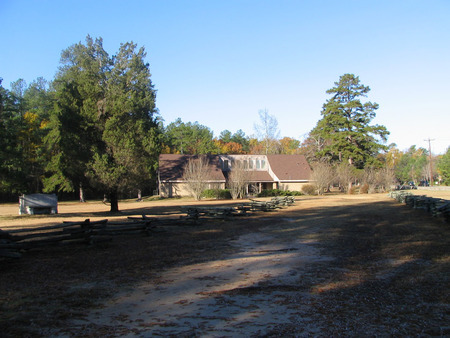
22	122
346	174
196	175
323	175
443	167
412	165
267	131
289	146
238	179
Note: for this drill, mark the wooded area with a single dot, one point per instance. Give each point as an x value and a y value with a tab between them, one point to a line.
95	128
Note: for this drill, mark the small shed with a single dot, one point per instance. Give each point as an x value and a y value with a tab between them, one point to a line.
35	204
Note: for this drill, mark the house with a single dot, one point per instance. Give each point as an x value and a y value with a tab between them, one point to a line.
285	172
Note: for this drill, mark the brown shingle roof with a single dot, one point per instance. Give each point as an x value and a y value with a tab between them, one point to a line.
285	168
260	176
171	167
290	167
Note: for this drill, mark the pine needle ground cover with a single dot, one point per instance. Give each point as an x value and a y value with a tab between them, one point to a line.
341	265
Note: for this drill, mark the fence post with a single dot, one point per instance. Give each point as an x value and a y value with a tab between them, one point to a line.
86	227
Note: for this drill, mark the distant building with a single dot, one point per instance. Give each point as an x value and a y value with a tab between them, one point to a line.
284	172
38	204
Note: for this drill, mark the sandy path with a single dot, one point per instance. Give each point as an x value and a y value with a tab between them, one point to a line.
241	295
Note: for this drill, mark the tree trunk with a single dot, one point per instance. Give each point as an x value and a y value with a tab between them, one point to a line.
139	195
114	201
82	200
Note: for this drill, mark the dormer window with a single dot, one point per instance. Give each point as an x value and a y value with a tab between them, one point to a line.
226	165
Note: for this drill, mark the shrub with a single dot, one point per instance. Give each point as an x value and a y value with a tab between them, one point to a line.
278	192
364	189
309	189
267	193
295	193
220	194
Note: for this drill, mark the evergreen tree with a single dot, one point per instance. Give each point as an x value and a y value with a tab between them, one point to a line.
11	175
189	138
74	126
104	126
345	125
240	138
225	136
130	133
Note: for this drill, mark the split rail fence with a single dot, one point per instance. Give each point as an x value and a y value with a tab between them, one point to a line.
438	207
14	242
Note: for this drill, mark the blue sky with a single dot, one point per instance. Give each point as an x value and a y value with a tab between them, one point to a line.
220	62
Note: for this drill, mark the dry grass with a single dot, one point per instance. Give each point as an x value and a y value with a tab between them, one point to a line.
390	274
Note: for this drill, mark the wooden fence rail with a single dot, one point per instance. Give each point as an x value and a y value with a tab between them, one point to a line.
438	207
14	242
274	203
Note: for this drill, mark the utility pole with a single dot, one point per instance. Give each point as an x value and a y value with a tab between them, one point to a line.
431	164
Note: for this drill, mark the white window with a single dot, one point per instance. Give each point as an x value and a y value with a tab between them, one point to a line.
258	164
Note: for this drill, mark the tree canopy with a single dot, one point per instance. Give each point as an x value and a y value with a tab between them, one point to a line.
96	126
188	138
10	124
345	127
444	167
104	128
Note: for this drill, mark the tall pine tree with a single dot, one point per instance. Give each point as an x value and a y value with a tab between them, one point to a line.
346	126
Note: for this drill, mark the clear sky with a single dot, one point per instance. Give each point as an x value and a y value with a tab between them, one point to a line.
220	62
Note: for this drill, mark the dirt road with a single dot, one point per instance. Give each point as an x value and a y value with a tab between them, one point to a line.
339	265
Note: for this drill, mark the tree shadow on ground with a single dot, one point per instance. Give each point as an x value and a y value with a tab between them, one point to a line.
389	274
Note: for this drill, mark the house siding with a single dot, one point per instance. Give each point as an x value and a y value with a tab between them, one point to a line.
180	189
292	186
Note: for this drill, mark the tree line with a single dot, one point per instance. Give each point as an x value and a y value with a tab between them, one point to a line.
96	127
